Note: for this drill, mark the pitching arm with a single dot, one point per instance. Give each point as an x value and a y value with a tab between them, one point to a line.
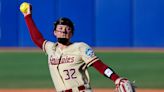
34	32
36	36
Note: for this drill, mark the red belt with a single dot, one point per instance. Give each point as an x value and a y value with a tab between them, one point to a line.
80	88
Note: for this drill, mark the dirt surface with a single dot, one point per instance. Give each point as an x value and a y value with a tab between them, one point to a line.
95	90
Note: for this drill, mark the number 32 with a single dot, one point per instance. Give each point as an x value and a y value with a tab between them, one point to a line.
70	74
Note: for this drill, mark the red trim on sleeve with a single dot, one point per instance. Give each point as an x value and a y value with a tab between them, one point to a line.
101	67
36	36
114	76
44	44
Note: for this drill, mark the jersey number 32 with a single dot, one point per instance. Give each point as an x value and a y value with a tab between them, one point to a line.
70	74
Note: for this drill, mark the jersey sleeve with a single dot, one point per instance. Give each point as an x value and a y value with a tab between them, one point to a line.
36	36
87	54
47	46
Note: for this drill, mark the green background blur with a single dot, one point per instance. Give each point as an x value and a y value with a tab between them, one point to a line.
30	69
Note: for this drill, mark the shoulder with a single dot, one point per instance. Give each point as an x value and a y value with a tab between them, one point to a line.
82	47
48	45
81	44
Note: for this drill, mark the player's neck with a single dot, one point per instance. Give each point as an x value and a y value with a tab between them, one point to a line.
62	46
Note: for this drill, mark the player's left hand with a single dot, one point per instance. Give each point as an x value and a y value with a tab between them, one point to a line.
124	85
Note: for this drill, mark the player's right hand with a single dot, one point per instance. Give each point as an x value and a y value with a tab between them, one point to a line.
26	8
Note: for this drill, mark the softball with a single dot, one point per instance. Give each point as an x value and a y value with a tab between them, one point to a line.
24	7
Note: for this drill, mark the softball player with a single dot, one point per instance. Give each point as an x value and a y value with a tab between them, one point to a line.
68	62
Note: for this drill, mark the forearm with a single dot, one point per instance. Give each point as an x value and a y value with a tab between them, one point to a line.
34	32
105	70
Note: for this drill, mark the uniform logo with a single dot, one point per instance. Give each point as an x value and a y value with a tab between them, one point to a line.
89	52
66	59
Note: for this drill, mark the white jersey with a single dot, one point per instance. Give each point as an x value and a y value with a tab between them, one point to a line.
68	67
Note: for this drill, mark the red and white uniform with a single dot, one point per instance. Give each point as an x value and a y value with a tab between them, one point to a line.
68	67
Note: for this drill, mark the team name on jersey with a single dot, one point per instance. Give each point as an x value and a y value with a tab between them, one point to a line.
66	59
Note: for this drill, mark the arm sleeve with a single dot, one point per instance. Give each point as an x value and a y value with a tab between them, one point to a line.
105	70
91	59
87	54
36	36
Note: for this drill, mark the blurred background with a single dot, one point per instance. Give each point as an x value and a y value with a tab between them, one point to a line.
100	23
137	25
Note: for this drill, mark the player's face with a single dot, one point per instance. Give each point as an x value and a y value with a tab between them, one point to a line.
63	31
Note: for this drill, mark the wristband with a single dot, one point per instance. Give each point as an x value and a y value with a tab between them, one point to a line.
108	72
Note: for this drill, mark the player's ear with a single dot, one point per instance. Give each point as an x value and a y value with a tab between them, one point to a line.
55	32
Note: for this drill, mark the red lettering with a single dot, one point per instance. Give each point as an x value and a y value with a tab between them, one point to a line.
55	61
